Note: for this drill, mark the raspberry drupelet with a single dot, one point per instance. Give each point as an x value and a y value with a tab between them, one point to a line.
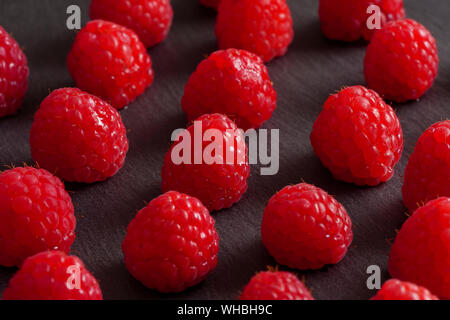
263	27
218	182
401	61
420	253
277	285
36	214
13	74
358	137
78	136
346	20
232	82
427	174
109	61
150	19
401	290
53	275
304	227
172	243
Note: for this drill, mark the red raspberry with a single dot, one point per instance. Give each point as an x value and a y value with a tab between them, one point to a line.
171	244
401	61
36	214
150	19
13	74
217	184
275	286
78	136
346	20
305	228
210	3
233	82
53	275
420	253
401	290
427	174
110	61
263	27
358	137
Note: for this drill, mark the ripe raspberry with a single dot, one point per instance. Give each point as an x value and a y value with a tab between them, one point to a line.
420	253
78	136
401	61
110	61
53	275
171	244
400	290
358	137
427	174
263	27
210	3
219	182
233	82
275	286
346	20
13	74
150	19
36	214
305	228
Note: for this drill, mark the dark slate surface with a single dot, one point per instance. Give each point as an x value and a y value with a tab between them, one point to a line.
312	69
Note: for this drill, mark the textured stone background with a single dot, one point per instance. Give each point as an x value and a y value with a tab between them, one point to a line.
312	69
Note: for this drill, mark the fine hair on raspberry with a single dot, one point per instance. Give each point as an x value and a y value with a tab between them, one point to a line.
36	214
275	285
150	19
13	74
216	185
53	275
401	61
427	175
346	20
78	136
172	243
394	289
109	61
263	27
304	227
420	253
358	137
232	82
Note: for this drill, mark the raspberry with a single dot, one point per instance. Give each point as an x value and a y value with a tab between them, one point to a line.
400	290
217	184
427	174
233	82
358	137
346	20
263	27
305	228
53	275
401	61
36	214
276	285
210	3
78	136
420	253
171	244
150	19
110	61
13	74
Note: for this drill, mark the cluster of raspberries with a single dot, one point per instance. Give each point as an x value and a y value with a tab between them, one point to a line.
172	244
